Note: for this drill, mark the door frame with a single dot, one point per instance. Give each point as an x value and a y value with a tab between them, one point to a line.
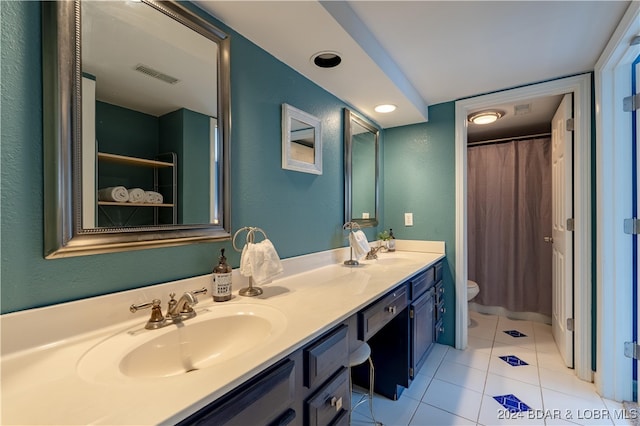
613	169
580	86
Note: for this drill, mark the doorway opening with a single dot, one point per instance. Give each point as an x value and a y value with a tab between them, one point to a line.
580	88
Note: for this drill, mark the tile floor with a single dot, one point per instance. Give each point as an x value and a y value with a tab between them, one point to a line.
466	387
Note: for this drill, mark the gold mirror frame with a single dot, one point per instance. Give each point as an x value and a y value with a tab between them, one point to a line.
62	96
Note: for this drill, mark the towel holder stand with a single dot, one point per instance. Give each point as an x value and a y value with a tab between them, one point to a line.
250	291
351	225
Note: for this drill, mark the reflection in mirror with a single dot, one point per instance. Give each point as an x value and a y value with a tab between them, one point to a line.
361	170
301	141
150	110
145	163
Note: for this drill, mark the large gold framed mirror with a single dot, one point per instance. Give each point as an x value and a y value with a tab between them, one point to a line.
136	122
361	170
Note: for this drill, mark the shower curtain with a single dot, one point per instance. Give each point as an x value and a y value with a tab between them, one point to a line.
509	213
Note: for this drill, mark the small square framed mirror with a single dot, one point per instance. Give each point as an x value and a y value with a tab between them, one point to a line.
301	141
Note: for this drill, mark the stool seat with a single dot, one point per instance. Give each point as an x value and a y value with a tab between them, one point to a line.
360	355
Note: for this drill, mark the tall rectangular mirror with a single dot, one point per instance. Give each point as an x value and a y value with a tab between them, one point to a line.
361	170
137	120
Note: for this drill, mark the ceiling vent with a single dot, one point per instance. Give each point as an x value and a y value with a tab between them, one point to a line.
522	109
144	69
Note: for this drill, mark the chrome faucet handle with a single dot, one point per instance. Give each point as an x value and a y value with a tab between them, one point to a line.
372	254
171	307
156	320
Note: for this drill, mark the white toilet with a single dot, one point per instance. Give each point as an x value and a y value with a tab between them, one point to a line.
472	291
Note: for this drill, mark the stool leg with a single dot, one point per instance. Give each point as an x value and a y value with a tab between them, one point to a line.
371	380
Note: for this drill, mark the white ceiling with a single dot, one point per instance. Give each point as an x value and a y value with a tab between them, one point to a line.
118	36
419	53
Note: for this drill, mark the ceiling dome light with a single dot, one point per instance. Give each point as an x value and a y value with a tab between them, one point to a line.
485	117
326	59
384	108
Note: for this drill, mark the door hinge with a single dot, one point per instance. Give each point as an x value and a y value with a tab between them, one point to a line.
411	372
631	103
632	350
632	226
571	224
570	124
411	314
570	324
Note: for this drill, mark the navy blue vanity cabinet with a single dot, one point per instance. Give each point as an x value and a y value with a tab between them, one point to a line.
421	318
439	302
266	399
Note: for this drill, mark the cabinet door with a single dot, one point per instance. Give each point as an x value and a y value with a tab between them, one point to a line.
422	331
264	400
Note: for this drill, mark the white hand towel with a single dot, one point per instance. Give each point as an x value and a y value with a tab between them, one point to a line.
136	195
114	193
260	261
153	197
359	244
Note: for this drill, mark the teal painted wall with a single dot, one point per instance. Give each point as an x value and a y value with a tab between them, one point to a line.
301	213
187	133
419	177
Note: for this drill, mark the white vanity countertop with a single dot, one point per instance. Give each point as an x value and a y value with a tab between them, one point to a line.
40	379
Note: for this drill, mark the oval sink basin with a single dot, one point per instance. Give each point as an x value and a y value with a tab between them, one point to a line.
391	261
215	336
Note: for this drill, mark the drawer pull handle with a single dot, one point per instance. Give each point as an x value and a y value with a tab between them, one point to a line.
441	290
391	309
441	329
443	310
337	403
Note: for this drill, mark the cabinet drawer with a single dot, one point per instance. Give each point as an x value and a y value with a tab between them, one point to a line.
326	356
380	313
439	330
421	282
330	402
439	292
440	310
264	399
438	268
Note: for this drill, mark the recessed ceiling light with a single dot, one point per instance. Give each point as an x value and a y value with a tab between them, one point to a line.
485	117
326	59
384	108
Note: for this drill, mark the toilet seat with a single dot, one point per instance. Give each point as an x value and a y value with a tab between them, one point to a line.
472	289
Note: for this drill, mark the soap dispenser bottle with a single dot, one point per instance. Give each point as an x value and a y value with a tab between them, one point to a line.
222	280
391	244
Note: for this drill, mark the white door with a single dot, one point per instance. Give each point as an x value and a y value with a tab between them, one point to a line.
562	201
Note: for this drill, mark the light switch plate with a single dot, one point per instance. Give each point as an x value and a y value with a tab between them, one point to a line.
408	219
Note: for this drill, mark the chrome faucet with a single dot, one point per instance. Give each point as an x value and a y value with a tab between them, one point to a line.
373	253
183	308
177	311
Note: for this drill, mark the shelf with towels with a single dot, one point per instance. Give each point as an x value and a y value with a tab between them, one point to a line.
165	161
134	161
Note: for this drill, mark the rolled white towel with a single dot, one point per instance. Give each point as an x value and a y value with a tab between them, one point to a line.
359	244
153	197
114	193
136	195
